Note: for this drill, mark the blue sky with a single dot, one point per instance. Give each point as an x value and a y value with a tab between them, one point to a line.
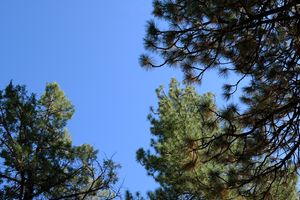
91	48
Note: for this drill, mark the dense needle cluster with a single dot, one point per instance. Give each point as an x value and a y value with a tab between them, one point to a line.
180	159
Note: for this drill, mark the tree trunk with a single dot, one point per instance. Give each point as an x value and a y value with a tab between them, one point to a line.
28	195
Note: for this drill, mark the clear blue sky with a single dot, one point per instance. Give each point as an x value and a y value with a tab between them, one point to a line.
91	48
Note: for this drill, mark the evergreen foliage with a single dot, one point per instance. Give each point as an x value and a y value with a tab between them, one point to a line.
256	41
185	121
37	158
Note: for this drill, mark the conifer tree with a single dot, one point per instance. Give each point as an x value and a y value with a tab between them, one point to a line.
183	122
255	41
38	160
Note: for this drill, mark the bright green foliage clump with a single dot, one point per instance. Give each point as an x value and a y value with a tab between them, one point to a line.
183	129
178	130
38	160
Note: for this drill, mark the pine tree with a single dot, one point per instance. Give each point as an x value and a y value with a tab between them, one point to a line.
185	121
38	160
256	41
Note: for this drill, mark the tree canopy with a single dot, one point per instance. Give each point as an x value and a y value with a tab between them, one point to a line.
37	158
256	41
182	123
